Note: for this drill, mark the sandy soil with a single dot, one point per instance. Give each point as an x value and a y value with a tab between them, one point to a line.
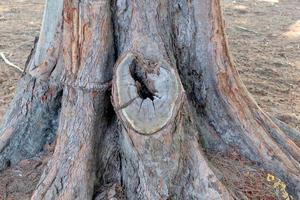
18	182
20	22
264	38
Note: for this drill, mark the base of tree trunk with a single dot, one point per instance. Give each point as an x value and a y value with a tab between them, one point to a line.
133	90
31	122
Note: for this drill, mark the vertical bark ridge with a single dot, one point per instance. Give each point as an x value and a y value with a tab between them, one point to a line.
49	44
175	64
109	179
88	38
71	172
33	120
168	163
236	120
88	60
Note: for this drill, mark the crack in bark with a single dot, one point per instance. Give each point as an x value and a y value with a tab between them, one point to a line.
185	38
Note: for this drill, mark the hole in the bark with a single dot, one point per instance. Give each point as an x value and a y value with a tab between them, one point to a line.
8	163
142	84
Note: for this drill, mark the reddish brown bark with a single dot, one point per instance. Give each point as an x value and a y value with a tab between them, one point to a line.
146	85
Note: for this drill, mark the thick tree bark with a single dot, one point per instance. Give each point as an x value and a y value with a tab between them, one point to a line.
134	89
32	119
226	115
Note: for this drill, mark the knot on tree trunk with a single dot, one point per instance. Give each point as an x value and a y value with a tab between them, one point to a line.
146	94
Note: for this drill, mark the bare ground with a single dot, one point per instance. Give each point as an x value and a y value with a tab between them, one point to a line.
264	38
20	21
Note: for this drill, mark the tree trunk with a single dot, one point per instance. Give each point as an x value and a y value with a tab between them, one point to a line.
133	90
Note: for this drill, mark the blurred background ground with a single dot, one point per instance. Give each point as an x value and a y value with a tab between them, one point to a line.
264	39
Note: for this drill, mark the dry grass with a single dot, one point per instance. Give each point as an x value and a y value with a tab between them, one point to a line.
264	39
243	178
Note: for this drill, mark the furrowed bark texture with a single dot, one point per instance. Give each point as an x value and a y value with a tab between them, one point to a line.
134	89
89	59
32	119
226	115
169	163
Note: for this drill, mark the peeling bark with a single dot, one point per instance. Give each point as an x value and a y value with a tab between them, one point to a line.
31	122
88	59
32	119
71	172
230	119
143	86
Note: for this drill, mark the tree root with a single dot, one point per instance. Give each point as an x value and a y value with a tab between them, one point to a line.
71	172
99	150
32	121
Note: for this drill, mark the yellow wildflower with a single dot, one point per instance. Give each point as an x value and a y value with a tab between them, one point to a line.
270	177
285	195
